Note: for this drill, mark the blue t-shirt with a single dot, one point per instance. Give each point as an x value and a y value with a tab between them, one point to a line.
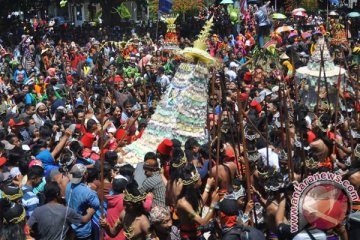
80	197
47	160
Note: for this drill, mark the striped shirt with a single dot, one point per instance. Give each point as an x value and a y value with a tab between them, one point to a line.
156	186
30	200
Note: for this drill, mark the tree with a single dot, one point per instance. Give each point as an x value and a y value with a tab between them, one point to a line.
187	6
310	5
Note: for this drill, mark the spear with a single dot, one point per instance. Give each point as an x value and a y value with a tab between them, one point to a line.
289	150
337	108
209	139
325	79
209	130
318	84
233	141
248	179
267	132
219	124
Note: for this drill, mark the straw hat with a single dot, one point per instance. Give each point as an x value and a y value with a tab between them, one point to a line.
284	56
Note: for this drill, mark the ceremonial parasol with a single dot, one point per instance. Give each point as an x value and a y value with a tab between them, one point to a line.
310	74
300	14
293	34
333	13
226	2
298	10
278	16
353	15
305	35
284	29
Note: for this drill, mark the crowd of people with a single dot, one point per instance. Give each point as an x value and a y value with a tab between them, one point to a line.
68	110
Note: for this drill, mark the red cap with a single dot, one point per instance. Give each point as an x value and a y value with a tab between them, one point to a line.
255	105
2	161
118	79
35	162
211	117
347	95
230	155
247	76
244	97
13	123
165	147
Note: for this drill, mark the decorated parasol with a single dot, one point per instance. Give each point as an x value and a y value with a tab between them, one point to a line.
298	10
226	2
300	14
353	15
308	76
333	13
306	35
278	16
284	29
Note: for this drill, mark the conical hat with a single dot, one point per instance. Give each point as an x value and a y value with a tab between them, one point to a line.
284	56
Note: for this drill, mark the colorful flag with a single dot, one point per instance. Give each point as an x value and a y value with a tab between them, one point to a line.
243	7
165	6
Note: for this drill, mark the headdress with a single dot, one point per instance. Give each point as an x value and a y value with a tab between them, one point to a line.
236	194
311	164
250	134
128	197
194	178
12	192
272	178
200	46
14	214
181	163
159	214
357	151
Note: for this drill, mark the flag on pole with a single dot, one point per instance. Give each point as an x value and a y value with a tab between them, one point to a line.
165	6
243	7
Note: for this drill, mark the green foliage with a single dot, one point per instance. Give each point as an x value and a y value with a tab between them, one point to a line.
234	14
123	11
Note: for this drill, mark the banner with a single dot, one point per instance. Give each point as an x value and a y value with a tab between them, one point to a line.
165	6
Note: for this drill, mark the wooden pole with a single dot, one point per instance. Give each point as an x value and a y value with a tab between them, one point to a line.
337	109
318	86
218	151
210	137
248	178
288	144
101	146
266	132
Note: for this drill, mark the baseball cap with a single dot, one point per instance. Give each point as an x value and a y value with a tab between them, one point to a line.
35	162
77	173
14	172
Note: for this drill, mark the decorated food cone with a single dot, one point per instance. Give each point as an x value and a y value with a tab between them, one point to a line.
181	113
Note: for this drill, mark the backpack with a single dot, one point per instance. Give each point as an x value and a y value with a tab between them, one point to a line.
243	233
